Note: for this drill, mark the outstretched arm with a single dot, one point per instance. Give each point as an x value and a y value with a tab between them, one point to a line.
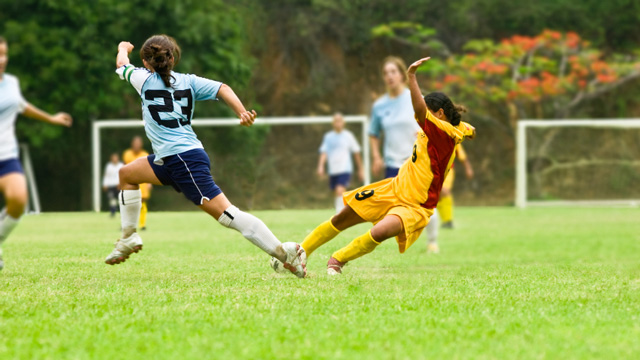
322	159
124	49
246	117
358	159
60	118
419	106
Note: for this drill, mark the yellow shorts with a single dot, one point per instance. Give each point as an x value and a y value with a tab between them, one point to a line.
448	181
375	201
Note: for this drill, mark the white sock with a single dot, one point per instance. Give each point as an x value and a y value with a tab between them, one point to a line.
339	203
433	227
130	204
252	228
7	224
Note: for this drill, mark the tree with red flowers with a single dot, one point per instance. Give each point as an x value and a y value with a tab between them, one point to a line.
544	76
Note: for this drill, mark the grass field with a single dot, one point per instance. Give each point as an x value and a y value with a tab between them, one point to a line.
509	284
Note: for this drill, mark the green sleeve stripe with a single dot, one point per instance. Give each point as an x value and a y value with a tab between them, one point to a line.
128	69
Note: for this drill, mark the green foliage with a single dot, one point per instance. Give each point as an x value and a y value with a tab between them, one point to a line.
64	54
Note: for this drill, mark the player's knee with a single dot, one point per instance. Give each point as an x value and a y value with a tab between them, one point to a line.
16	203
125	174
387	229
345	218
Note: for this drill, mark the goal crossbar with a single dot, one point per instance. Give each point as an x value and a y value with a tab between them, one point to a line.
99	125
521	159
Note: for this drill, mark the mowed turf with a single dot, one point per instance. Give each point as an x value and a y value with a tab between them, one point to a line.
509	284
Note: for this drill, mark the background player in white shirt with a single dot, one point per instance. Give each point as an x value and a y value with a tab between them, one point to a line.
13	184
111	181
337	147
179	160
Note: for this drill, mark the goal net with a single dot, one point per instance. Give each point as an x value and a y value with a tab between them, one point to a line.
271	165
578	162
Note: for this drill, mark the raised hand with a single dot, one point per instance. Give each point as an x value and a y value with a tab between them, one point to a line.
412	69
247	118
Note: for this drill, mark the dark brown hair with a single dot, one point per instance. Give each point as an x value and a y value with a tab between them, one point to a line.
399	63
437	100
2	40
162	53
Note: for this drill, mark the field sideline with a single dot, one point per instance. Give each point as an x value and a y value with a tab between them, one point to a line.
509	284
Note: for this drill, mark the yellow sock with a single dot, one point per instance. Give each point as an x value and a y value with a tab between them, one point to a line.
445	208
319	236
143	215
361	245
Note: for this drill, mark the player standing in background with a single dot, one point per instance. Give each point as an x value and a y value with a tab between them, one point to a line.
111	182
392	117
400	206
337	147
130	155
179	159
445	205
13	184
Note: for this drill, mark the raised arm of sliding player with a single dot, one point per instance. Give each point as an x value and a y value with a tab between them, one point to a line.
419	106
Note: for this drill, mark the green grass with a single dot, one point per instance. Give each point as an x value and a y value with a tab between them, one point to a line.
509	284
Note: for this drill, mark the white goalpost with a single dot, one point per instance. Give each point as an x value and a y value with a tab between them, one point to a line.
99	125
522	157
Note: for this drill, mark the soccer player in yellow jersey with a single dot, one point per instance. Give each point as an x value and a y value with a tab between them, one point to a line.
130	155
445	205
400	207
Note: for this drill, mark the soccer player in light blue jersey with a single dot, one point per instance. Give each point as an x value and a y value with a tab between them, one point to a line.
392	117
13	184
336	150
179	160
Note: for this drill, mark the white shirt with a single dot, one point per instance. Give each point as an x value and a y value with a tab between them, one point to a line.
339	146
111	177
395	118
11	104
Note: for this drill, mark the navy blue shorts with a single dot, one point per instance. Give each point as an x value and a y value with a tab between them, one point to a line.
339	179
390	172
188	173
10	166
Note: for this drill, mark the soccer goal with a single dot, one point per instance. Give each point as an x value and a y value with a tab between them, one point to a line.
283	162
33	205
578	162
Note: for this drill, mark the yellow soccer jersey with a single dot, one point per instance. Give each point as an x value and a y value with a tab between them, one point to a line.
420	178
129	156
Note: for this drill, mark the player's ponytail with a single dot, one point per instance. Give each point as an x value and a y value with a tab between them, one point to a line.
162	53
437	100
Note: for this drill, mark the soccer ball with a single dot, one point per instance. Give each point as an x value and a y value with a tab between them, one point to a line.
277	265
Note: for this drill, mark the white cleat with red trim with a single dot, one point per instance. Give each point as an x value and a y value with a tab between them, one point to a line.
296	260
124	248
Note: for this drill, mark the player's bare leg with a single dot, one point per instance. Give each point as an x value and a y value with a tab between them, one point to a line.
337	193
130	201
387	228
290	254
14	190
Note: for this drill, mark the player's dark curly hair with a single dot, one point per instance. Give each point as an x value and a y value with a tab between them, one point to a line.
162	53
437	100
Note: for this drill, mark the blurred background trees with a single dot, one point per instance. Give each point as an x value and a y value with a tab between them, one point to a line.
504	59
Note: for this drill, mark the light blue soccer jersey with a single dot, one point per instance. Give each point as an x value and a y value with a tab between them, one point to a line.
395	118
11	104
339	146
167	111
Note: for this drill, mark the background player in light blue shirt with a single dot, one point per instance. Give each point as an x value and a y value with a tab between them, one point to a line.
392	118
13	184
168	100
337	147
